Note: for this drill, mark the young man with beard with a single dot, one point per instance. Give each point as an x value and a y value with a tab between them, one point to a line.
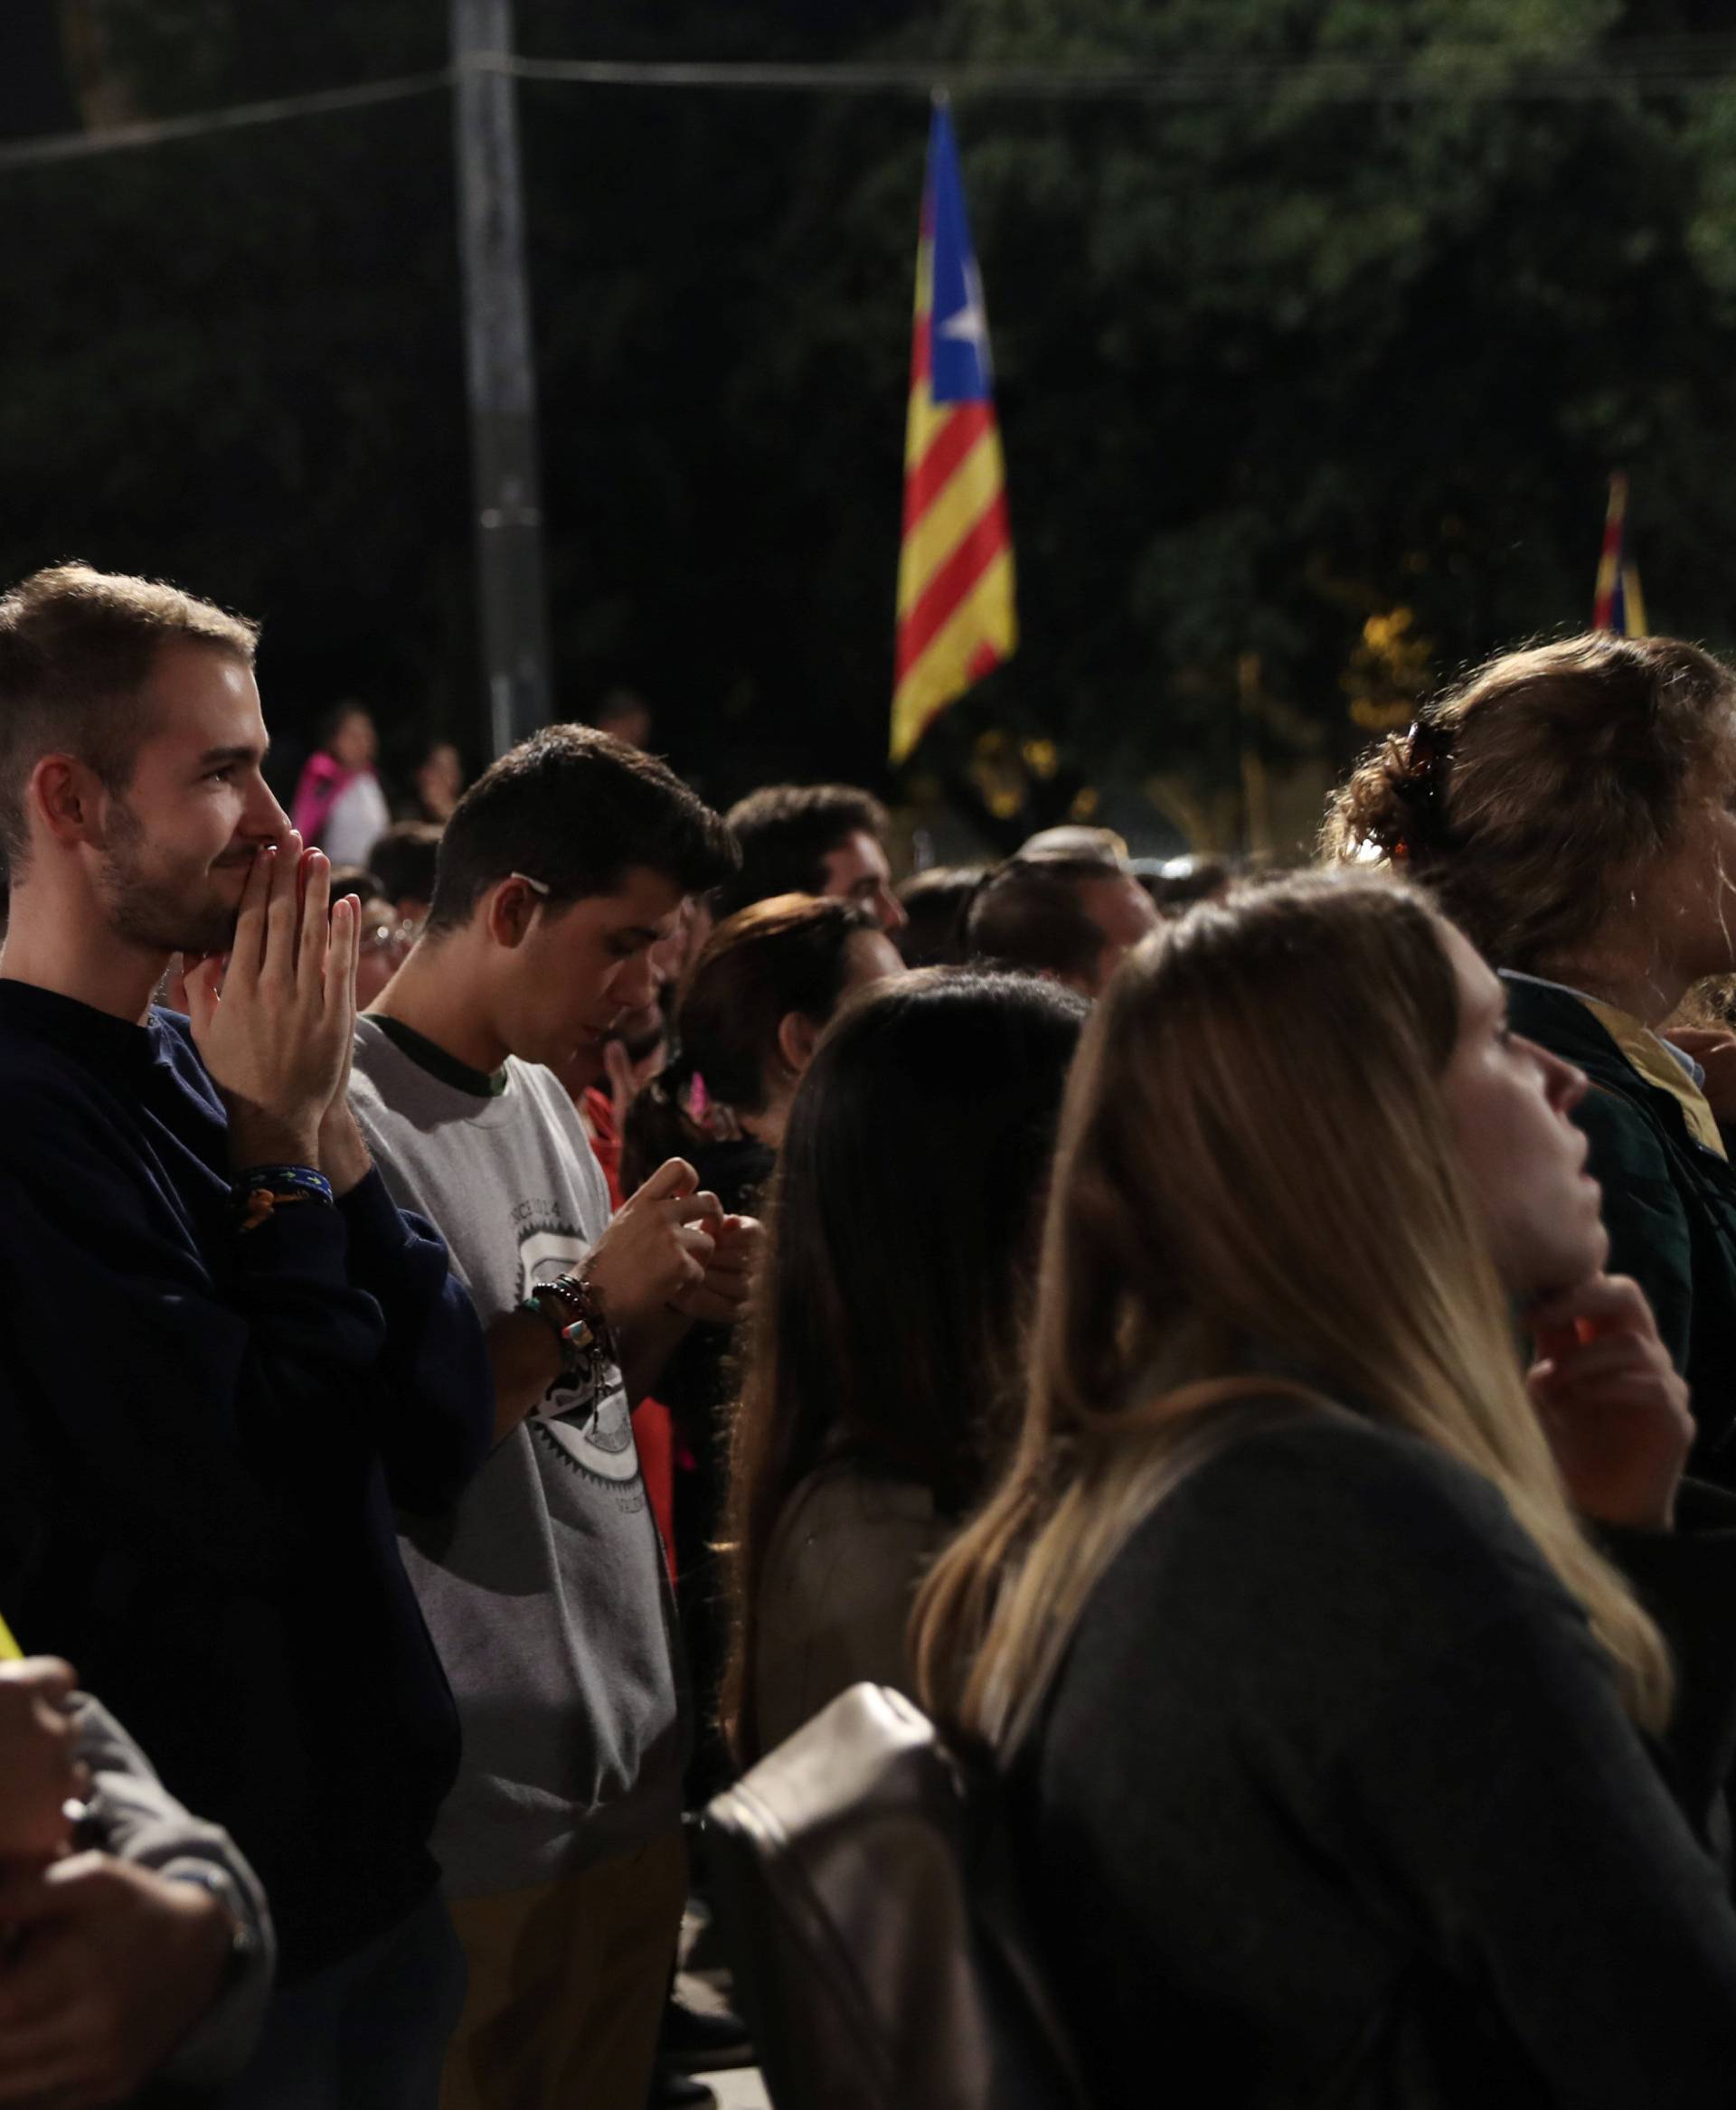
546	1590
225	1354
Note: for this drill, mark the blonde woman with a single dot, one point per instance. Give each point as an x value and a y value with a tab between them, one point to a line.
1325	1717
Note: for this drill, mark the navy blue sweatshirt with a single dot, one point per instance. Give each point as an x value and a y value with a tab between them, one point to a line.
203	1436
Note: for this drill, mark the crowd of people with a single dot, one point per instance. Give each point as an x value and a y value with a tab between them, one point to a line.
508	1314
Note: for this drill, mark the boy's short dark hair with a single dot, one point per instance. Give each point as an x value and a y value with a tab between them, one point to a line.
405	859
575	809
1028	916
787	831
76	648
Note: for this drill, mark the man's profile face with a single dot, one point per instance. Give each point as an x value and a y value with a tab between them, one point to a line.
857	871
585	966
179	840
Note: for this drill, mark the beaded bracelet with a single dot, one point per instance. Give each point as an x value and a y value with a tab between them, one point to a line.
262	1189
585	1341
577	1294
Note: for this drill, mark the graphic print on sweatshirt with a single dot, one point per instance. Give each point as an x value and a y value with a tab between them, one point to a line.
593	1433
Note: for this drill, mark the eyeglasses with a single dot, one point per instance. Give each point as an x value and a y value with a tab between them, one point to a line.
394	939
535	885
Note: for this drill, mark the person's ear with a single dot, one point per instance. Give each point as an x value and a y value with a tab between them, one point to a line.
797	1036
66	798
509	911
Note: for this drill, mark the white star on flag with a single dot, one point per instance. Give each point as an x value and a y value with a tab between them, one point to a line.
969	325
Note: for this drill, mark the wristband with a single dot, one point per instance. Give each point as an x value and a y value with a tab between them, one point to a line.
262	1189
577	1294
570	1306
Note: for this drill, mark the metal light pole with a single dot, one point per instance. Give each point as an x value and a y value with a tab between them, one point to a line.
500	376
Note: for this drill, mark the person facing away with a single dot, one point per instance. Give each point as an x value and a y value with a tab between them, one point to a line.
226	1352
338	803
1571	804
404	860
545	1589
756	1003
813	839
885	1346
141	1940
935	903
1072	919
1327	1718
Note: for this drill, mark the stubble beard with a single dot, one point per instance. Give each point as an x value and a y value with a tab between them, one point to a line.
161	915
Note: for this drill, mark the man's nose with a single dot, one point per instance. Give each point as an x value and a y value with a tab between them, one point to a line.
640	982
264	820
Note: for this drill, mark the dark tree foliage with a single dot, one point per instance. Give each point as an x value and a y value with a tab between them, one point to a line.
1306	400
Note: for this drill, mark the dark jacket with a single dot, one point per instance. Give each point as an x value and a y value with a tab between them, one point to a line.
202	1437
1669	1205
1334	1782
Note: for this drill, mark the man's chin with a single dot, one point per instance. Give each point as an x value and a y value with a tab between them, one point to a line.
192	936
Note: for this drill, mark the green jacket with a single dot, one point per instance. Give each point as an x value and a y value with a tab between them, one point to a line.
1669	1205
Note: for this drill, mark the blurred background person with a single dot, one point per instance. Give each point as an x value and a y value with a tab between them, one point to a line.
405	859
438	782
813	839
338	802
1072	840
887	1339
1070	918
934	903
625	715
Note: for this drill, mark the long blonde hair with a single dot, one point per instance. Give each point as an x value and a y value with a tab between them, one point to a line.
1256	1171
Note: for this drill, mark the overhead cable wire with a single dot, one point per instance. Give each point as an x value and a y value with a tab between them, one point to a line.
237	116
1672	64
1677	65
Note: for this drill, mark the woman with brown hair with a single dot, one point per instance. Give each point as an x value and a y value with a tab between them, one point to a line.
884	1356
1570	806
749	1017
1323	1716
748	1020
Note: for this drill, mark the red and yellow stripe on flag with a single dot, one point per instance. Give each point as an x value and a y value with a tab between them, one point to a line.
955	618
1617	604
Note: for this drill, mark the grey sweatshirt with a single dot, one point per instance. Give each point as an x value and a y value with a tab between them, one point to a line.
545	1589
135	1818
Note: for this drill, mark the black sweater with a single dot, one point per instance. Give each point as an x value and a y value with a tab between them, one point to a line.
201	1438
1669	1205
1334	1775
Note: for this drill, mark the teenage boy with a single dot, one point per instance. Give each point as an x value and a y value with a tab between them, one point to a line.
546	1591
225	1354
813	839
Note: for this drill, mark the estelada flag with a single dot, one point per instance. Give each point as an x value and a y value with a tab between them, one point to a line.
955	618
1618	605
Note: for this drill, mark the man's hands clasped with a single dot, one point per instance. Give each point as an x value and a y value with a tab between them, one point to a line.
274	1025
